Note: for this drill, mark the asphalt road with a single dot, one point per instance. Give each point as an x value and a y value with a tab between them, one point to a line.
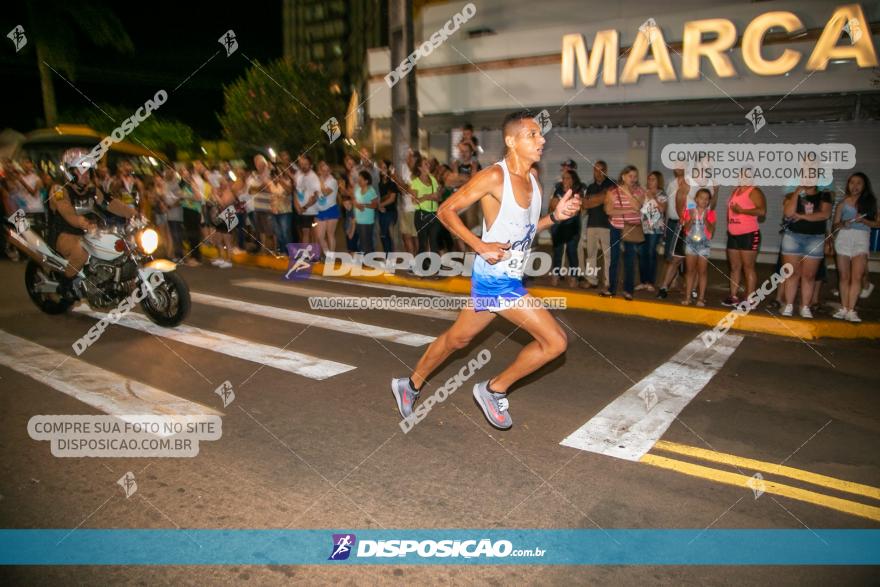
303	451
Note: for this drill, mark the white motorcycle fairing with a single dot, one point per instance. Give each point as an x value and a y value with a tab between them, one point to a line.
102	245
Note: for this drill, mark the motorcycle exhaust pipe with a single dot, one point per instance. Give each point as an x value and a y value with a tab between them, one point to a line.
30	243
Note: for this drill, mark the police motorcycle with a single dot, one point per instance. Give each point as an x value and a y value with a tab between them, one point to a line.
120	269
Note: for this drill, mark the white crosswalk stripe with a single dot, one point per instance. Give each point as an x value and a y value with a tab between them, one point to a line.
629	426
104	390
325	322
286	360
302	291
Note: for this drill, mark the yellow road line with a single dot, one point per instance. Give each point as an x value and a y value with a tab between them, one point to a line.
735	479
773	469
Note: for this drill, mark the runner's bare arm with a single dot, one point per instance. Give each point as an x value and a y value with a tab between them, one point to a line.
485	184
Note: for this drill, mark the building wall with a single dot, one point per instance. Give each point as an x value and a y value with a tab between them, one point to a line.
525	31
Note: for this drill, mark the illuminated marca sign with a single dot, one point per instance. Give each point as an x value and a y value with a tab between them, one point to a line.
848	19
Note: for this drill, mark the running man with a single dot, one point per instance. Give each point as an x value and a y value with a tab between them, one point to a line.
301	260
511	203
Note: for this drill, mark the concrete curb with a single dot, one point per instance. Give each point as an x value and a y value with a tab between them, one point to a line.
765	323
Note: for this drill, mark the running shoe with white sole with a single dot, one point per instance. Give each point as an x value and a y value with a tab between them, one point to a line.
787	310
805	312
840	314
851	316
405	395
494	406
866	293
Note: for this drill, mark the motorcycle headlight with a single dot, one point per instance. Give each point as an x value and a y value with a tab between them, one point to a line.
148	241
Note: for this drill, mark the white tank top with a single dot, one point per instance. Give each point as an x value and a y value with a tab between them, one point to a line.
515	225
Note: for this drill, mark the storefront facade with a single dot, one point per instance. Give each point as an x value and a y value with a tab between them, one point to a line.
693	75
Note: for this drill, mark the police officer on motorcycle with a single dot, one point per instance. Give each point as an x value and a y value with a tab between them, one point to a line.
73	205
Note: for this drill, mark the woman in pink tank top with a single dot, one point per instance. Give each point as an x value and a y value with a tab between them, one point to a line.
744	207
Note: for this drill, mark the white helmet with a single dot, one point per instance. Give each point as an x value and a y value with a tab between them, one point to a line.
76	162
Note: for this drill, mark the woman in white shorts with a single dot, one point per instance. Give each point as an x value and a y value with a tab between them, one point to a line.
854	218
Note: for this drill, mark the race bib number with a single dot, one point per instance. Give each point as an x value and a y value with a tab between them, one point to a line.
515	264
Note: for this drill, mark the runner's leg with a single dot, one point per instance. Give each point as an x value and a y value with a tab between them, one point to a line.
550	342
468	324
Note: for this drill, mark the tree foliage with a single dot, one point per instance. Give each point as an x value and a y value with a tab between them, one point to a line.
157	133
281	105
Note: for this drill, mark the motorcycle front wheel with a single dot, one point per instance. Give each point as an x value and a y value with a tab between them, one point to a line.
172	301
36	279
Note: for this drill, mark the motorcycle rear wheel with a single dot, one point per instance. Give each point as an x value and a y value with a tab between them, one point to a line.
50	303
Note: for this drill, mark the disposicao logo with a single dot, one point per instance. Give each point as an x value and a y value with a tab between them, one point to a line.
342	546
302	257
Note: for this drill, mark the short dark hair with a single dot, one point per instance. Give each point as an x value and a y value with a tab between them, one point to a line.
366	175
468	126
514	118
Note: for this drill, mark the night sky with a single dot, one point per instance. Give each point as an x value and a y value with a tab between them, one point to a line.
171	40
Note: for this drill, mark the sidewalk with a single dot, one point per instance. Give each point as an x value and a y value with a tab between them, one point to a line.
645	304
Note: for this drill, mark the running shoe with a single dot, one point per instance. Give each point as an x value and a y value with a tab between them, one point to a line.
405	395
851	316
730	301
788	310
841	314
494	406
805	312
662	293
866	293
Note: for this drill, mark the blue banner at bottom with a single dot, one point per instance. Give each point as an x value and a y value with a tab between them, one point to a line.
445	547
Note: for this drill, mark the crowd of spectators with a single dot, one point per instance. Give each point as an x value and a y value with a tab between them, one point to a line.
654	237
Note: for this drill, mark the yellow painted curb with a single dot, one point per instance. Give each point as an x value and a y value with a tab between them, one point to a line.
709	317
770	468
763	485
